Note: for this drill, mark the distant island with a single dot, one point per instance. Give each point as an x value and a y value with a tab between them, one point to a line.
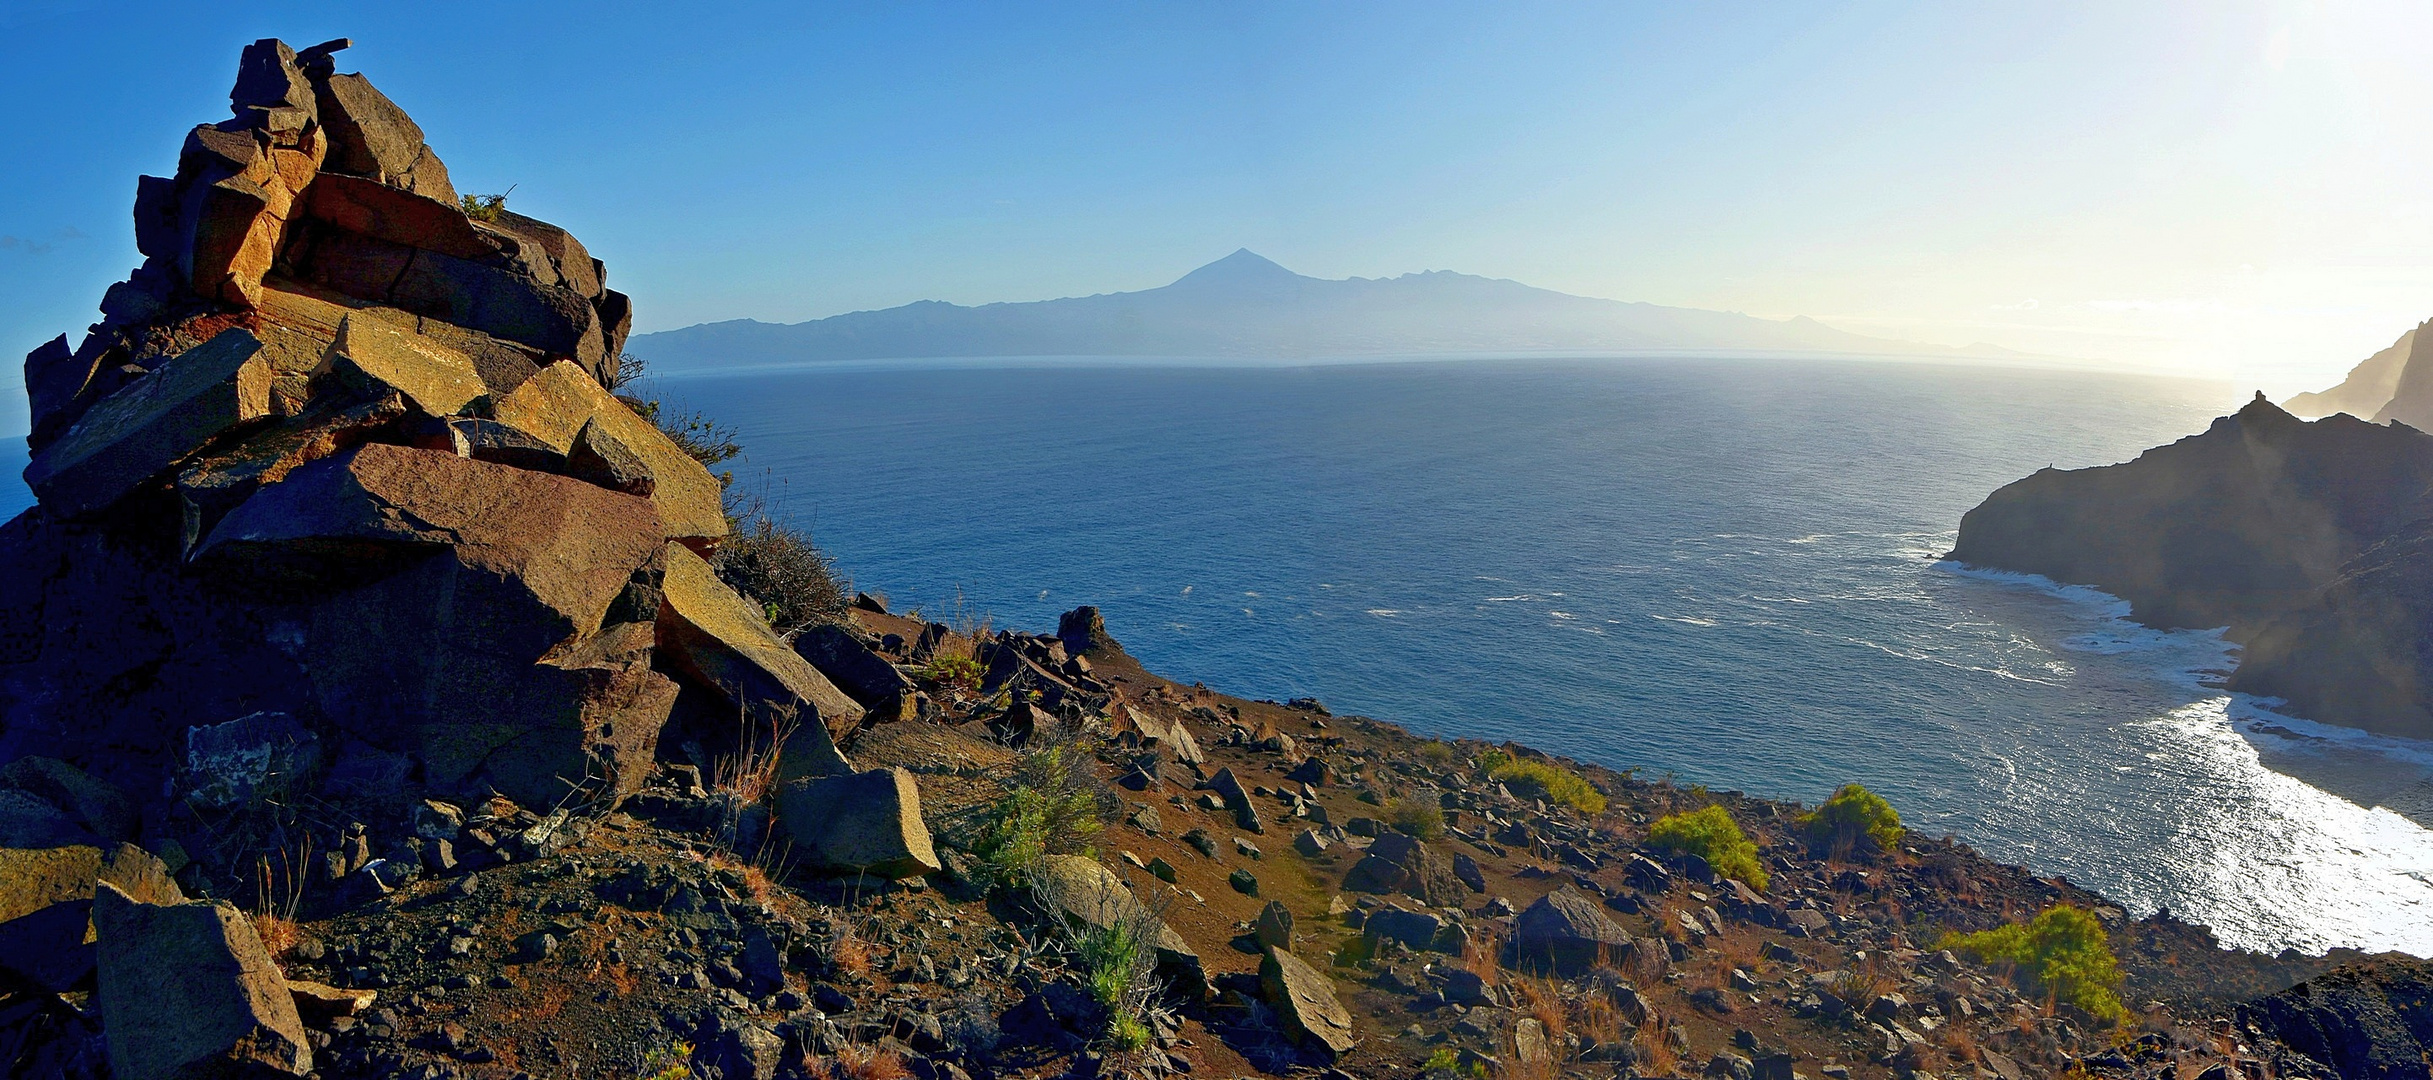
1246	305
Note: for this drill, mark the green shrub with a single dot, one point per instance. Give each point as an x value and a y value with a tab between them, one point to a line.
961	672
1852	818
1055	804
1552	783
2063	952
1710	834
1445	1061
1415	817
1436	752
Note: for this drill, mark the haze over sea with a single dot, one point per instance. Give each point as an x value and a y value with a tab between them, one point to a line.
1722	569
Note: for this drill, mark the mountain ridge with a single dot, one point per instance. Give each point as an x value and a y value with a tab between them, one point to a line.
1245	304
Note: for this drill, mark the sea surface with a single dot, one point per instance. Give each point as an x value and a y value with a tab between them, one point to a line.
1724	570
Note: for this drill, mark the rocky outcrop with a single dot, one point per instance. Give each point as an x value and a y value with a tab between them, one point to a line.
1565	931
2304	539
1306	1002
2367	1021
867	822
344	456
2367	388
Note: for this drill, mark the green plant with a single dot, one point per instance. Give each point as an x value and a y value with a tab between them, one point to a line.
1551	782
1436	752
1852	817
1445	1061
2063	952
485	207
671	1062
958	672
1416	817
1710	834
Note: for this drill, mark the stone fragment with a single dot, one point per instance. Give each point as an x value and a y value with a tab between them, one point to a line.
46	901
501	444
237	763
1305	1000
842	657
1530	1045
1275	925
94	807
1309	842
1566	932
371	208
1466	869
555	405
868	821
715	636
144	428
186	990
1237	799
372	357
371	137
600	457
318	1003
1397	863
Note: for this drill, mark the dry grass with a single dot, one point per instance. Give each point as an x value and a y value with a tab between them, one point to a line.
847	952
750	770
1959	1042
1656	1056
278	893
1598	1020
1480	958
869	1063
1543	1000
279	936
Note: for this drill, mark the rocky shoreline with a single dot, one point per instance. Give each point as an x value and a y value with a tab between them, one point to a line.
383	699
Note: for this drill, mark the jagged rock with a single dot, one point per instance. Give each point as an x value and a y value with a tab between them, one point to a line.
1274	925
482	645
1173	737
1237	800
555	405
1567	932
1083	631
1305	1000
46	901
1397	863
1417	929
140	431
1466	870
850	664
1085	893
186	990
371	137
1530	1044
600	457
499	444
372	357
2362	1020
319	1002
716	637
868	821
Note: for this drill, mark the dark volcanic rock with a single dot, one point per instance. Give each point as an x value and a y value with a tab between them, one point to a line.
2368	1020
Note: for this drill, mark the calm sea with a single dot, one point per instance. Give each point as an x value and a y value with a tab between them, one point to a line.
1724	570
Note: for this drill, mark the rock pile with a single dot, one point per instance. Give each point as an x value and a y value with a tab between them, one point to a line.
342	454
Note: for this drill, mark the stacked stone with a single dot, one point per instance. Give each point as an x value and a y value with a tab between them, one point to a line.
341	452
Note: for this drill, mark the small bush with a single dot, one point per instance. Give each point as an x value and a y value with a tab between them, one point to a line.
776	567
957	672
1445	1061
1710	834
485	208
2063	953
670	1062
1055	804
1852	818
1415	817
1436	752
1552	783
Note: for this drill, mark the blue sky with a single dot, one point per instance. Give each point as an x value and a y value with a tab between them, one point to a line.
2237	189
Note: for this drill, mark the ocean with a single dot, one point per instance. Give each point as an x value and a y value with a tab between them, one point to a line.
1721	570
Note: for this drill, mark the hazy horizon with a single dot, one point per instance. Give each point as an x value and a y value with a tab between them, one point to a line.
2229	192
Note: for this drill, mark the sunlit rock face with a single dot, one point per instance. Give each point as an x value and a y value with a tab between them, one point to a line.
2304	539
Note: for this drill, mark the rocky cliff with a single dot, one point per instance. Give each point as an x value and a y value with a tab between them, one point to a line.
2367	388
372	706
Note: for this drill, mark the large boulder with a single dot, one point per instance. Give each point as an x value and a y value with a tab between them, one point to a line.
372	357
187	991
46	902
555	406
141	430
1086	894
2373	1019
1397	863
715	637
1305	1000
867	821
1566	932
842	657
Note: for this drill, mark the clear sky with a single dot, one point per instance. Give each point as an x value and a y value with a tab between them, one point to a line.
2238	189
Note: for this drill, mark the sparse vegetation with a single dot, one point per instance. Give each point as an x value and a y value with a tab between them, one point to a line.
955	672
2062	953
776	566
1436	752
1711	834
1415	817
1539	779
1853	819
671	1062
1444	1061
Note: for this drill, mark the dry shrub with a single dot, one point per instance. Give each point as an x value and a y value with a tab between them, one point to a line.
749	772
1480	958
1598	1021
278	893
279	936
1544	1001
855	1062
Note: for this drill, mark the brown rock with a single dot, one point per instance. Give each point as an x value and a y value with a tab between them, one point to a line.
139	431
319	1002
868	821
371	208
1305	1000
715	637
186	990
373	358
557	404
370	136
46	902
